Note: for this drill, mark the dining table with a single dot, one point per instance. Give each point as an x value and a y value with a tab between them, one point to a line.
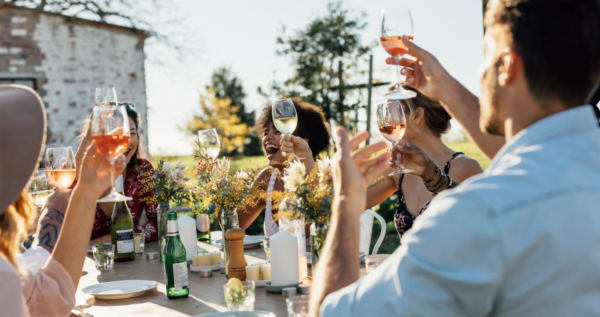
206	293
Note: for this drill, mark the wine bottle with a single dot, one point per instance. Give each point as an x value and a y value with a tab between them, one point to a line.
176	270
121	228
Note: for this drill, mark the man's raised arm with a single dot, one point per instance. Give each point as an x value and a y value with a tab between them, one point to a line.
428	76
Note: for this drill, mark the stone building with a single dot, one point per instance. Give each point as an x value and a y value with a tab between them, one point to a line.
64	59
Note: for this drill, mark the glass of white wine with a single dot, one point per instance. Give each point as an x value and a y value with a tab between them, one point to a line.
39	188
209	143
285	117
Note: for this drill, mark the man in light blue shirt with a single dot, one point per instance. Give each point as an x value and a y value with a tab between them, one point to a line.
523	239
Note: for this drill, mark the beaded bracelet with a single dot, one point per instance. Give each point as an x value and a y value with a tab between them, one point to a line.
437	169
438	183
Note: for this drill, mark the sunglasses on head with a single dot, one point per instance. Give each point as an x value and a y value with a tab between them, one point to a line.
128	105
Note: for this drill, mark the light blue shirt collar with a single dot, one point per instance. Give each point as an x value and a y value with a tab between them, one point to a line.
576	119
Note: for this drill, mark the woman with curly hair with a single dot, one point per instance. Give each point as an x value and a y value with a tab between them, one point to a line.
310	139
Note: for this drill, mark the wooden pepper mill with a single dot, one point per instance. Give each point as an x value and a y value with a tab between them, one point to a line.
237	260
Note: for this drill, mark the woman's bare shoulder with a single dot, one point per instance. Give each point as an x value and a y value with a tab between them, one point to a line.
463	167
263	177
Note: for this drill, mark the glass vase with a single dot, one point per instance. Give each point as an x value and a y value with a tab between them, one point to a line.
161	213
318	233
229	219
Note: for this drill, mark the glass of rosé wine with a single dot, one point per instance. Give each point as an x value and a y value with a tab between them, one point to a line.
392	125
110	130
394	25
60	166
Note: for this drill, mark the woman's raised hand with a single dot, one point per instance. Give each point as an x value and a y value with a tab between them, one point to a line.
410	156
295	145
95	173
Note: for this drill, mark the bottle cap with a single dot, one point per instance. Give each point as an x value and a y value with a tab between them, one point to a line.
119	184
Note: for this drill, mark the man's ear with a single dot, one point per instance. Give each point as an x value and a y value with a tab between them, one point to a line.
511	66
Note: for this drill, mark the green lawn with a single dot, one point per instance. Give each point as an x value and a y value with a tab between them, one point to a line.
470	149
238	163
248	162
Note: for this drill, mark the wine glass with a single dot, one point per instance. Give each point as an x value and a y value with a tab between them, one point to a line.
110	130
39	188
105	97
60	166
391	40
285	117
209	143
392	125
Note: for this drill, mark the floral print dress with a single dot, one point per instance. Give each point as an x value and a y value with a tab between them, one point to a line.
133	185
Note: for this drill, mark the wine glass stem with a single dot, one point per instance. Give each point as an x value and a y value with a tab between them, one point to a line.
112	176
397	59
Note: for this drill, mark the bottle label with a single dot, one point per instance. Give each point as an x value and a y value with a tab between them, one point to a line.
125	241
172	229
180	275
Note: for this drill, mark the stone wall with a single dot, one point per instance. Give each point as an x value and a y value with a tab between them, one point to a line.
66	59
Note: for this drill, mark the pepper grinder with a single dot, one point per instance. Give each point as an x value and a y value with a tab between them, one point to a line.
237	261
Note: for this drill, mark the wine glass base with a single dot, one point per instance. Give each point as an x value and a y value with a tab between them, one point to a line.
401	171
398	94
113	197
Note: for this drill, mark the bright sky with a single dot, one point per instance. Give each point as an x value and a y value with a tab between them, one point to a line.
241	34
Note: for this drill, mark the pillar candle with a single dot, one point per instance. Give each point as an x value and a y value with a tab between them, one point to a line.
201	259
215	258
253	273
187	234
284	259
265	272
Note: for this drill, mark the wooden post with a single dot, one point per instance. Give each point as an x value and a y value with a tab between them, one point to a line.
369	88
340	106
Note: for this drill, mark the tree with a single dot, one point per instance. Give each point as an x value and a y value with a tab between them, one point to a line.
226	85
218	113
325	54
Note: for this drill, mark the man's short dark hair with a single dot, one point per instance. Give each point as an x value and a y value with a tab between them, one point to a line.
559	42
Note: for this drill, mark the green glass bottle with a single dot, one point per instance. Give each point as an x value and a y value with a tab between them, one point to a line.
121	228
176	270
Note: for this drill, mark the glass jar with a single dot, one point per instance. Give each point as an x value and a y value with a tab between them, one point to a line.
318	233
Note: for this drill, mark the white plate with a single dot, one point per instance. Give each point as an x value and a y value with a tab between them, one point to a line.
119	289
215	267
260	283
249	241
239	314
361	256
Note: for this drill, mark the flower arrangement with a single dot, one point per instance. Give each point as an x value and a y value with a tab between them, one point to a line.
169	184
311	194
227	191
